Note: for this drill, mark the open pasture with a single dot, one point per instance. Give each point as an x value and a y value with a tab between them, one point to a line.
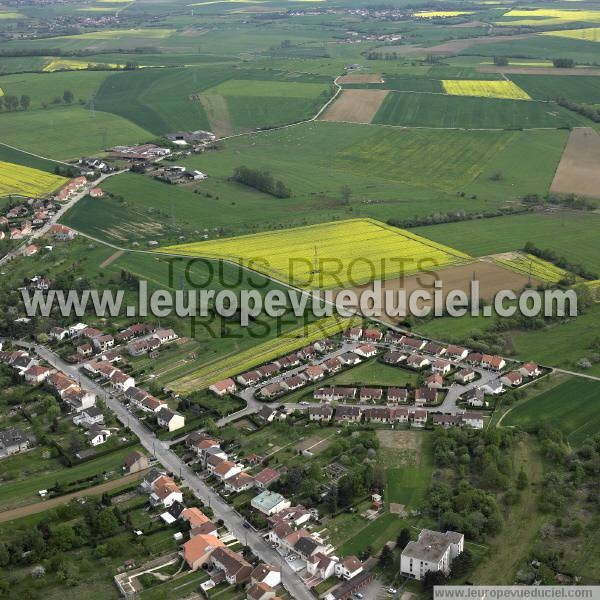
576	87
438	110
355	106
574	235
579	168
484	89
330	254
573	407
17	179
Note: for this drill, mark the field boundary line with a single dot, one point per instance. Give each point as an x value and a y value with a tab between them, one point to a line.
60	162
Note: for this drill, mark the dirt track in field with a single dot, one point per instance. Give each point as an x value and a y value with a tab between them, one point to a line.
537	70
579	169
218	114
111	259
355	106
491	277
360	78
97	490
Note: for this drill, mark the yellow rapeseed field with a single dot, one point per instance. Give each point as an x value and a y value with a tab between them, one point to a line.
431	14
550	16
17	179
530	265
485	89
329	255
589	34
284	344
66	64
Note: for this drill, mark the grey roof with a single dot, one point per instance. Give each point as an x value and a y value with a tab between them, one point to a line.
12	437
431	545
92	411
306	546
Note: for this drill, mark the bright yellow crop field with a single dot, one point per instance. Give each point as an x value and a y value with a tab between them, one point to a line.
431	14
66	64
594	287
17	179
329	254
589	34
253	357
550	16
484	89
538	268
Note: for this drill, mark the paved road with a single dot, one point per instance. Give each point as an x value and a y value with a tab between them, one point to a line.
233	520
449	405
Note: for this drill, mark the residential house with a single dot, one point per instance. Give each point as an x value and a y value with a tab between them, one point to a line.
425	396
372	335
226	469
472	419
332	365
366	350
164	492
321	565
36	374
348	414
314	372
397	395
412	343
496	363
236	568
320	413
328	394
512	378
441	366
370	394
348	568
121	381
377	415
78	399
349	359
197	551
394	357
152	476
272	390
165	335
530	369
419	417
264	573
134	462
13	440
493	387
88	417
269	370
239	483
474	397
399	414
434	348
223	387
249	378
136	395
103	342
269	503
58	333
435	381
433	551
266	477
169	419
417	361
97	435
295	516
307	546
354	333
465	375
446	421
294	382
153	405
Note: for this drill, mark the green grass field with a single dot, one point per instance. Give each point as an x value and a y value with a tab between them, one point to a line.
573	407
69	132
431	110
18	157
375	373
575	87
572	235
374	535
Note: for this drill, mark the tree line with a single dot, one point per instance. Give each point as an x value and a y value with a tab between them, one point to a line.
261	180
560	261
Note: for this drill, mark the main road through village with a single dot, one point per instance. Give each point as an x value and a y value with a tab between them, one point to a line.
233	520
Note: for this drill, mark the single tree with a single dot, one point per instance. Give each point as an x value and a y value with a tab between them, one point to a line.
68	96
25	102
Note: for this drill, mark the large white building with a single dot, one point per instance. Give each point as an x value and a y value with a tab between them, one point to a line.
433	551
